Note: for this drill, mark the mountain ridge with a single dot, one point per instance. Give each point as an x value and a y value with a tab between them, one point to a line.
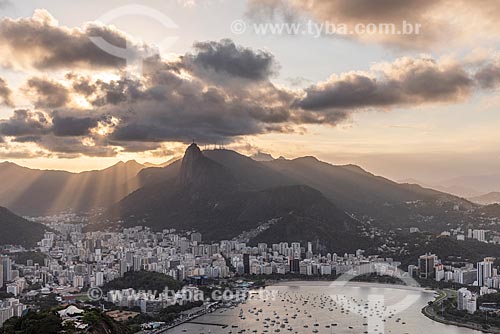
19	231
230	203
33	192
487	199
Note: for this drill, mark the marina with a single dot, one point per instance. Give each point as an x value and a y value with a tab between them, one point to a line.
321	307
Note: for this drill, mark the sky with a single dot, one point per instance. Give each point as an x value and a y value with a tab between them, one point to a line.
86	84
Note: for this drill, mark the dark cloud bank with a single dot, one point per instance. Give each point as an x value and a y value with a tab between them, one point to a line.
217	93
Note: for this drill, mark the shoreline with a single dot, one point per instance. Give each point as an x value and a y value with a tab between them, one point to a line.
426	310
336	283
438	295
429	313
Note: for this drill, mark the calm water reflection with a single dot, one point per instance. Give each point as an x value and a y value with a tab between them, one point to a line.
313	307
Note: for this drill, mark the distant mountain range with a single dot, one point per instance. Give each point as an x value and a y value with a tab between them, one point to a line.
478	184
487	199
261	156
32	192
469	186
350	186
19	231
224	194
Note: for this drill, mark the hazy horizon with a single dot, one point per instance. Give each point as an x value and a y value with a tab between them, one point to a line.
396	173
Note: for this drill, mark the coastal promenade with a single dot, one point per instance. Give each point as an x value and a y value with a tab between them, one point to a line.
430	312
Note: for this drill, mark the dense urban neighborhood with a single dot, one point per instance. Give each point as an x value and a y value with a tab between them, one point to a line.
133	276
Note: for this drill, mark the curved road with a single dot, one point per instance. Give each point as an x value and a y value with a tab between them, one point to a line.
430	313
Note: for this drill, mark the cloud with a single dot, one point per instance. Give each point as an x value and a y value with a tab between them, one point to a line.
10	152
218	92
116	91
136	147
47	93
73	147
189	113
27	139
174	102
488	76
5	94
443	22
25	123
270	10
40	42
81	84
72	126
237	61
406	82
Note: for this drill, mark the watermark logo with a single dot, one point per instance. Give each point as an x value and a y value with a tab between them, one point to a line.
320	29
238	27
95	294
134	58
187	294
374	309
